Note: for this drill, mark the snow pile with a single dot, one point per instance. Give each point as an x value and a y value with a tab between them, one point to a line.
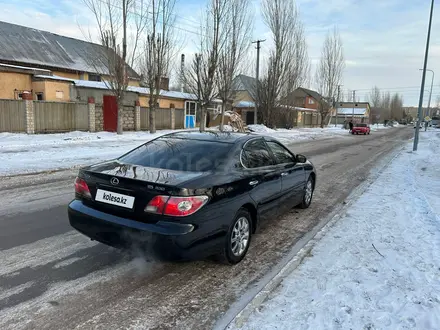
259	128
379	266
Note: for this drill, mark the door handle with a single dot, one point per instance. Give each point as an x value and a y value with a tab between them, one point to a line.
284	174
253	183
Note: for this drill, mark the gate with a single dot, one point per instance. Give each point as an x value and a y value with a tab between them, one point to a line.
110	112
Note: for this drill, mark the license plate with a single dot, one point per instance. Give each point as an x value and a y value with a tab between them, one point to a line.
113	198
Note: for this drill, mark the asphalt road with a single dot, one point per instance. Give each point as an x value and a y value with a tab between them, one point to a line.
54	278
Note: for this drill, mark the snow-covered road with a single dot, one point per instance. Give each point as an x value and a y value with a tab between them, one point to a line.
22	153
378	267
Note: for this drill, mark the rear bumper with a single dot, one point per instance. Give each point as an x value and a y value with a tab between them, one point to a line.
167	240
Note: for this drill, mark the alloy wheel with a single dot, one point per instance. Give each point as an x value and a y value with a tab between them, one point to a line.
309	192
240	236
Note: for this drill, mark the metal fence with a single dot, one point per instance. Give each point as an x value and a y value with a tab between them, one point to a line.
60	116
163	118
12	116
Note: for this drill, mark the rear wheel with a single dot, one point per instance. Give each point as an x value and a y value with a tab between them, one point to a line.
308	193
237	239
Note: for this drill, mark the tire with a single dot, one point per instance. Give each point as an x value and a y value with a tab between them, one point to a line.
307	198
365	133
232	252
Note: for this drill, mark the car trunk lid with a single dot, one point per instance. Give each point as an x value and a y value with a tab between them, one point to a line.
113	183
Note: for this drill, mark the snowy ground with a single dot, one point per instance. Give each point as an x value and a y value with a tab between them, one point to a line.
22	153
379	266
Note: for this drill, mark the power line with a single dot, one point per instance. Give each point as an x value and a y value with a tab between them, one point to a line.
160	21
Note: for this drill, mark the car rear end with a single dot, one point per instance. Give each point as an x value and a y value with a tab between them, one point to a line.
125	205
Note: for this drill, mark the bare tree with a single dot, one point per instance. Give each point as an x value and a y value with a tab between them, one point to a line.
385	102
236	44
298	66
396	107
329	72
374	97
201	76
287	66
113	19
158	50
350	95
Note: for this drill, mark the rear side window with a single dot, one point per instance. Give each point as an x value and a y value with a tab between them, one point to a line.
282	155
179	155
255	154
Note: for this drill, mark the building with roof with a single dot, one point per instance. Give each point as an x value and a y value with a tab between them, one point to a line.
244	97
305	98
358	112
50	67
28	57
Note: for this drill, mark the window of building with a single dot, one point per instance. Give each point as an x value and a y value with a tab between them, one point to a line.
39	96
59	94
190	108
311	101
94	77
19	94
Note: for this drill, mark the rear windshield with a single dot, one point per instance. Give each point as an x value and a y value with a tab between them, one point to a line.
360	125
179	155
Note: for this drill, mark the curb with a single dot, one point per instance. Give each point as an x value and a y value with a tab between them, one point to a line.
241	318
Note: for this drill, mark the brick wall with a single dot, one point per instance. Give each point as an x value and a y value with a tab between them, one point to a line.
128	118
99	118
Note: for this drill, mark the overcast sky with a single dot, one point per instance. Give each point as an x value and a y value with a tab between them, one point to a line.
384	40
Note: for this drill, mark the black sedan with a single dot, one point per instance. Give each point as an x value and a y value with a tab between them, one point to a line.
191	195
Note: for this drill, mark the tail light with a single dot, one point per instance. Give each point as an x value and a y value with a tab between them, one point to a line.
176	206
81	188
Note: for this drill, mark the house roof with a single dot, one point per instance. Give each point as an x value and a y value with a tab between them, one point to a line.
58	78
140	90
301	90
245	83
245	104
20	44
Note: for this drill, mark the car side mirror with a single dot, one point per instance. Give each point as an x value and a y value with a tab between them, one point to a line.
301	158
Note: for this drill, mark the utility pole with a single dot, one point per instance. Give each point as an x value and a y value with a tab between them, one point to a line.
354	100
257	74
336	105
419	112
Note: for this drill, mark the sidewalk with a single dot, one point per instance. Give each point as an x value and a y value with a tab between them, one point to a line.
378	267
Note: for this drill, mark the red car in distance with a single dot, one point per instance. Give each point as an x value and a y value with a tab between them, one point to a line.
361	129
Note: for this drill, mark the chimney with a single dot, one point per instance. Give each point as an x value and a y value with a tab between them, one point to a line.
182	72
165	83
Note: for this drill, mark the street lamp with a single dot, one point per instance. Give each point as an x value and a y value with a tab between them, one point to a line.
430	93
419	112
